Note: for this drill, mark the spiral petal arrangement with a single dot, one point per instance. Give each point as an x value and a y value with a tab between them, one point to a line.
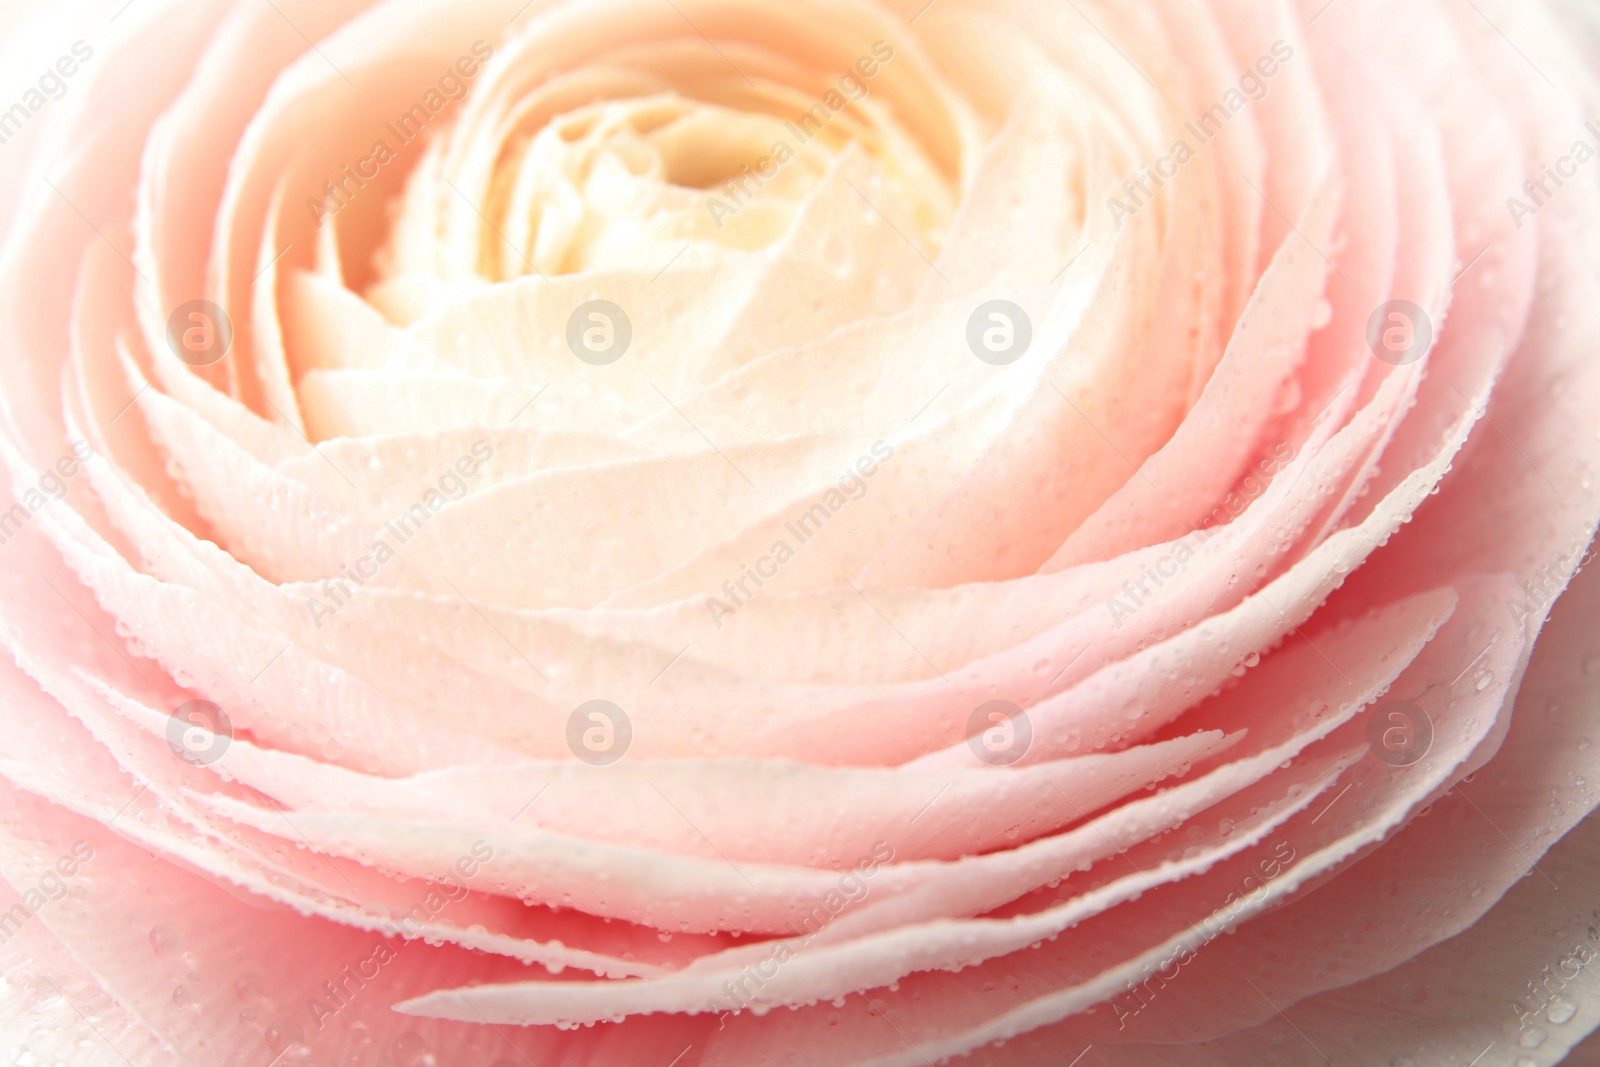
551	533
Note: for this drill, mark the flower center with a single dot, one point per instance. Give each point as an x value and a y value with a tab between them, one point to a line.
629	160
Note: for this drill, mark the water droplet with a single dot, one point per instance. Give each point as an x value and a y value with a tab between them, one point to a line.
166	940
1560	1010
282	1034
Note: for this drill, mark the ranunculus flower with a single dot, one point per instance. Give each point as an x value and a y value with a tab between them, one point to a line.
708	533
